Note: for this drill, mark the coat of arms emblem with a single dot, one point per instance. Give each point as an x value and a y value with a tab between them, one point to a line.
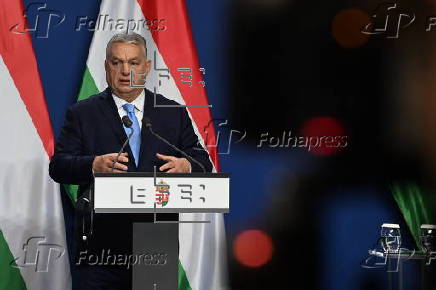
162	193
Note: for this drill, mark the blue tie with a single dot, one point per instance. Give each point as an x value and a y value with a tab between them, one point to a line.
135	140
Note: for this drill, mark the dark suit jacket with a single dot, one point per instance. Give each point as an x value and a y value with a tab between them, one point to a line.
93	127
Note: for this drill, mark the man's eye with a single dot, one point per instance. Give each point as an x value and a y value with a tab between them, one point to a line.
115	62
134	63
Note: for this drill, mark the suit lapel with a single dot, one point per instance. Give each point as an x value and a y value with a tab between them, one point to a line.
110	111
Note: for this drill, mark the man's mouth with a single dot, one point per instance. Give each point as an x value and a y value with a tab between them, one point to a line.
124	82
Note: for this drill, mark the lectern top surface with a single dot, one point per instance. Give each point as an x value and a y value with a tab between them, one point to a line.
163	174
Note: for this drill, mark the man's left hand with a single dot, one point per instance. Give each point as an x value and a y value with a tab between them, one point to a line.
174	164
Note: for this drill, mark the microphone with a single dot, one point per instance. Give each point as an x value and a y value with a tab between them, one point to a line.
149	127
128	123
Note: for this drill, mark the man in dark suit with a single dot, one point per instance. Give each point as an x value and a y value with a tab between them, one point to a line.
92	135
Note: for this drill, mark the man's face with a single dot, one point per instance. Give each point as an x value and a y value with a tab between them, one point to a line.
126	57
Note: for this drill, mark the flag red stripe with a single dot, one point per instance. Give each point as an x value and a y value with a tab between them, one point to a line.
18	55
177	48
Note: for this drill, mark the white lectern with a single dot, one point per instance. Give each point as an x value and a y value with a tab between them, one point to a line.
155	244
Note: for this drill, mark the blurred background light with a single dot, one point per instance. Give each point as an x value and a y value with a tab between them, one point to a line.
347	26
329	133
253	248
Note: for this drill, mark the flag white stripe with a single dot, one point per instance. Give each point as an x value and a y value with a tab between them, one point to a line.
31	205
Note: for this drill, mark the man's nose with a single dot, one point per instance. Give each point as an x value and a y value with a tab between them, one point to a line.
125	70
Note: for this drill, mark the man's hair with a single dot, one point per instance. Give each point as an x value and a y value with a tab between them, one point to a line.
126	38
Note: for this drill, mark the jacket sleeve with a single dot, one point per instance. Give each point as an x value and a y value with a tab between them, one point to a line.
69	165
189	143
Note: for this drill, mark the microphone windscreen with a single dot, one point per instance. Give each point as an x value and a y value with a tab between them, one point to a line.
126	121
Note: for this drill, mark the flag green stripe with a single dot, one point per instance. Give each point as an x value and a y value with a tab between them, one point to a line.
183	280
11	278
72	190
416	205
88	87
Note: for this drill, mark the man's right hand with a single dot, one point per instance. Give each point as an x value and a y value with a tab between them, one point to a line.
104	163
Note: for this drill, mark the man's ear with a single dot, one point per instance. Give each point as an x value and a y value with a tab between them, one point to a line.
148	62
106	68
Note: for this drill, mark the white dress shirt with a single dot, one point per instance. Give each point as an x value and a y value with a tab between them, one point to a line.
138	103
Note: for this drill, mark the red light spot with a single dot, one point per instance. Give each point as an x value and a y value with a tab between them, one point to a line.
253	248
324	135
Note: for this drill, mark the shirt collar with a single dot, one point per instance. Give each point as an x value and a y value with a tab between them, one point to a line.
138	102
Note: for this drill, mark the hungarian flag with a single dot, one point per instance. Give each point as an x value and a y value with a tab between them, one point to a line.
33	252
177	75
